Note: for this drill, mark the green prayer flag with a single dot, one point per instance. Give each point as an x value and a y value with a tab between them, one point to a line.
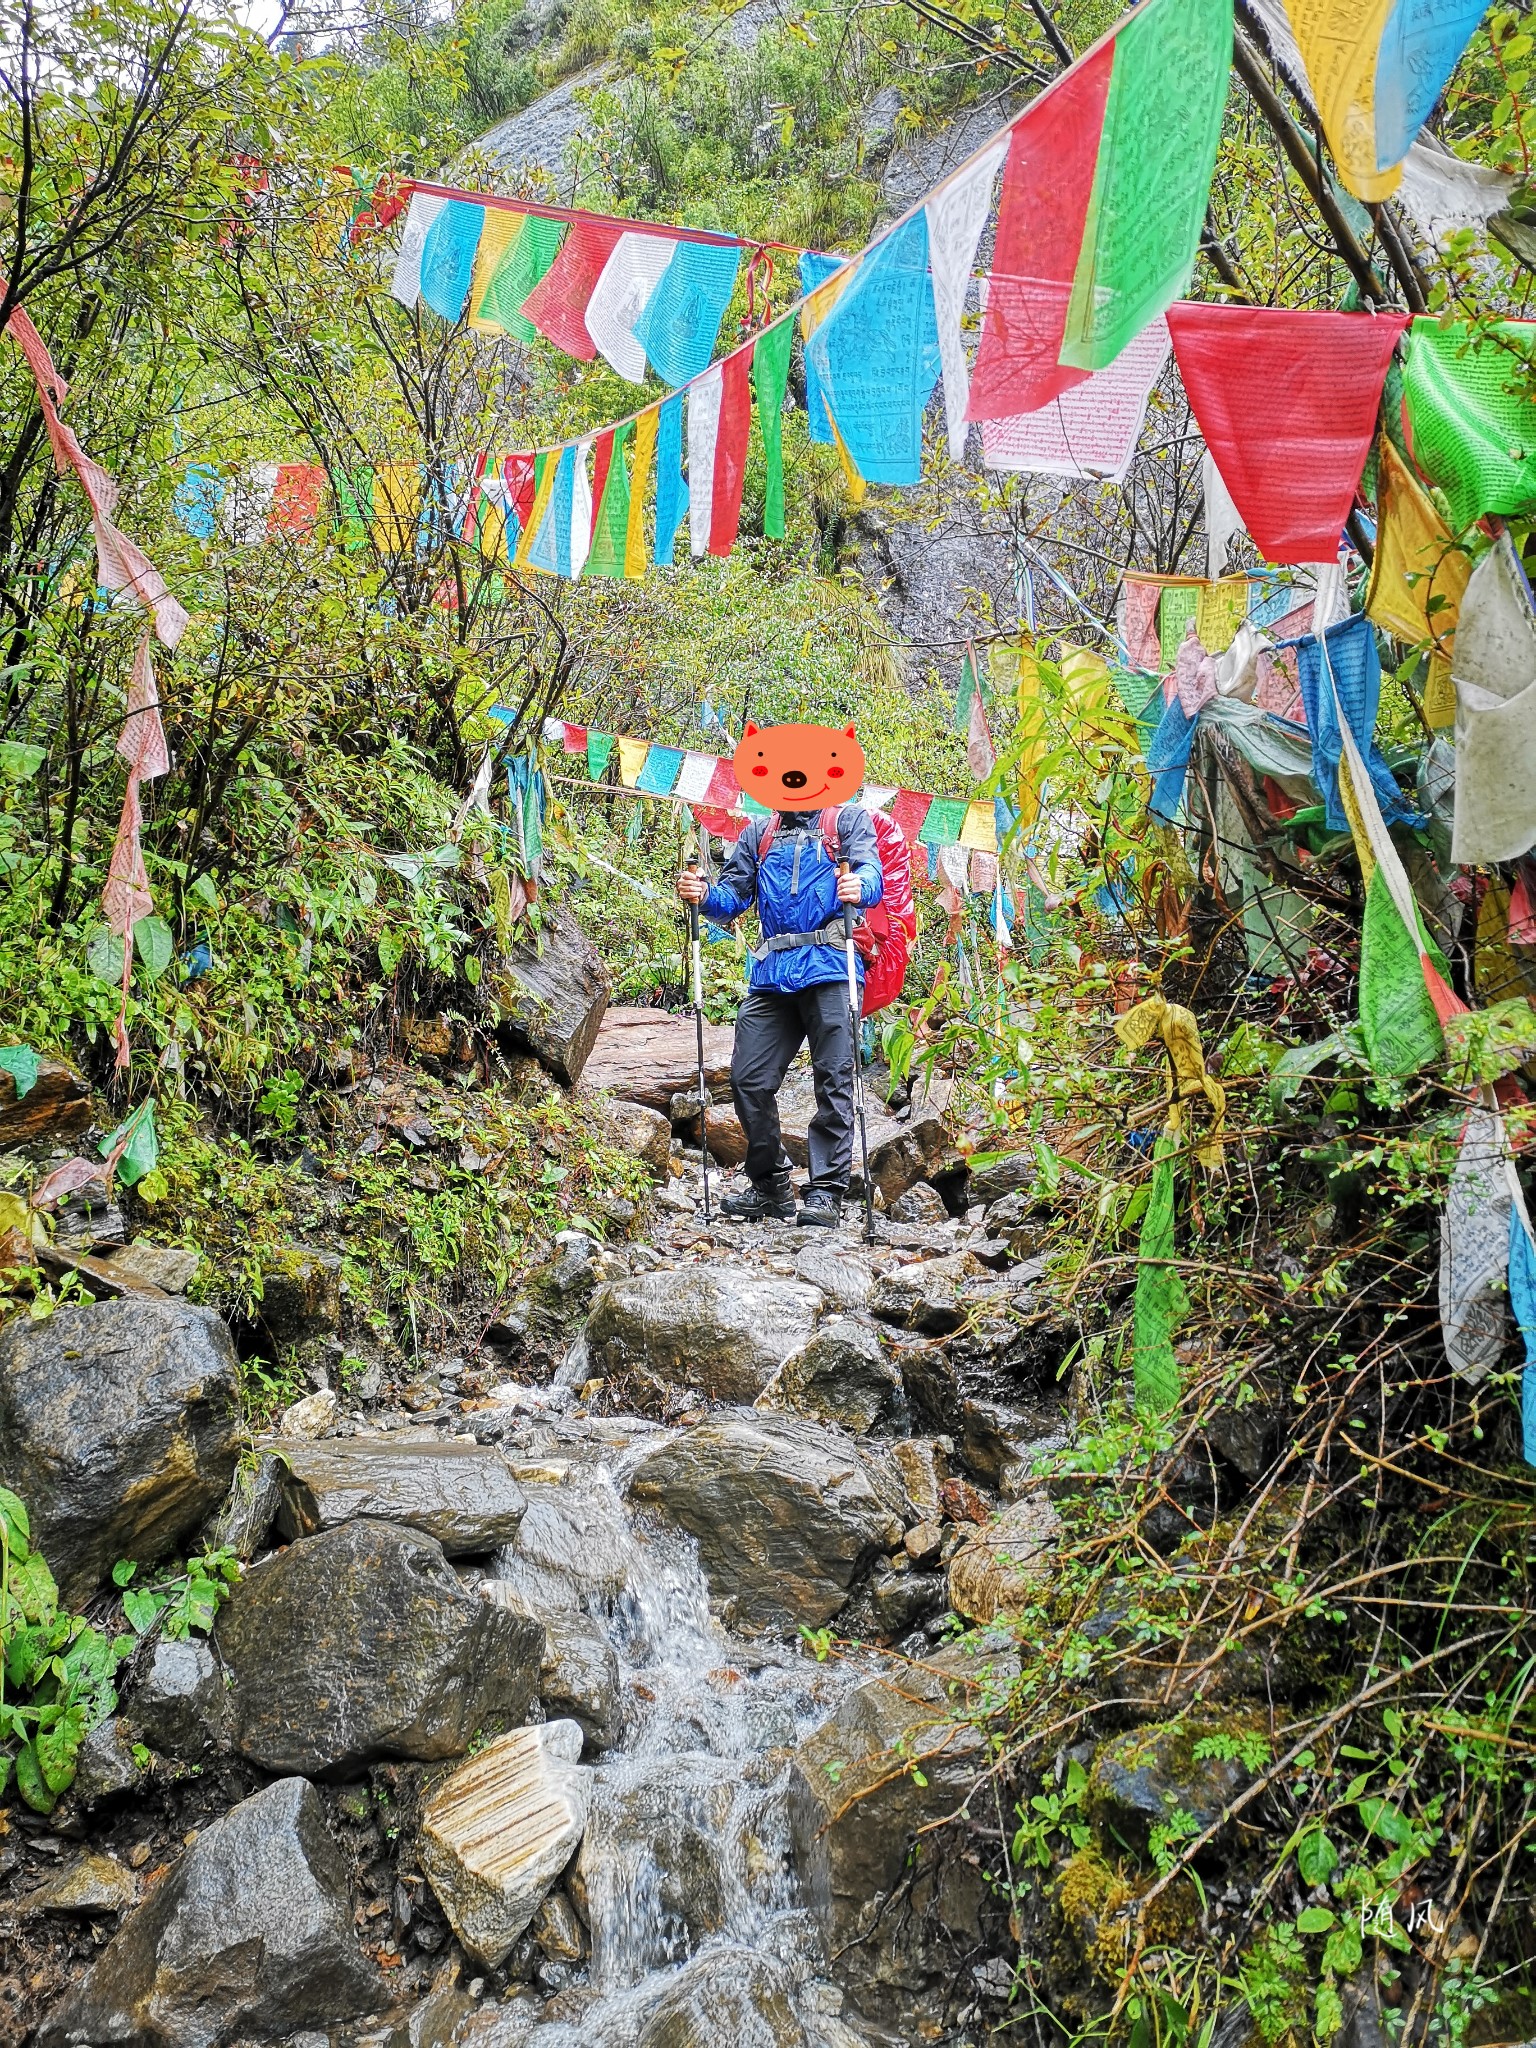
611	525
1473	427
599	749
354	492
770	374
942	825
141	1153
1397	1018
23	1066
524	265
1152	181
753	808
1175	610
970	685
1161	1301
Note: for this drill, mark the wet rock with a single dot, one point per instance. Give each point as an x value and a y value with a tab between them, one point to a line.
923	1466
786	1513
574	1544
923	1542
902	1149
644	1133
1000	1569
1013	1173
245	1520
842	1275
1140	1780
464	1495
301	1295
106	1763
842	1375
178	1703
311	1418
931	1384
250	1932
900	1601
88	1220
894	1897
728	1994
1017	1220
56	1109
650	1055
550	994
681	1808
169	1267
1248	1438
94	1884
723	1330
497	1833
361	1643
920	1204
119	1427
727	1139
558	1931
925	1295
998	1442
554	1297
579	1677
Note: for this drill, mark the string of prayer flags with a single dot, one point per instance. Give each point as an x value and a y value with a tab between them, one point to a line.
1090	429
876	357
1375	72
1495	671
1471	424
1287	403
1103	205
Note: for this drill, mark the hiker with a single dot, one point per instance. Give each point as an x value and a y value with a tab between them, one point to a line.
798	989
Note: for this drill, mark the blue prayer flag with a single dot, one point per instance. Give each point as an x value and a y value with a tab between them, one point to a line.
681	321
448	257
671	490
815	270
197	500
1522	1299
662	765
877	357
1352	659
1168	752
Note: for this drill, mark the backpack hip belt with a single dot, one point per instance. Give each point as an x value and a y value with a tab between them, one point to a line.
785	942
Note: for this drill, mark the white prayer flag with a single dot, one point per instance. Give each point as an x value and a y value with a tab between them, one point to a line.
621	295
956	214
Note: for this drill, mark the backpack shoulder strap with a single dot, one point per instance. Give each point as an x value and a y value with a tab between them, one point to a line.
834	830
765	829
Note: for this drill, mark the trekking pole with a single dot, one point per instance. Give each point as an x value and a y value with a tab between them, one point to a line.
858	1071
698	1019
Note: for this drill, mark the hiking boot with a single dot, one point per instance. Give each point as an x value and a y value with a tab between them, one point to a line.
821	1210
774	1203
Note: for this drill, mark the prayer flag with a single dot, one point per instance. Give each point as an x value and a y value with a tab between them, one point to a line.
1287	403
197	500
645	456
1342	668
876	354
1139	622
724	790
632	755
1418	573
599	749
821	295
660	771
695	777
1522	1299
770	375
1175	616
611	490
1220	608
296	494
536	546
580	539
500	230
247	504
1474	1249
956	215
671	490
1495	670
406	282
1223	521
735	425
978	828
511	274
909	807
573	738
448	257
680	323
619	298
705	396
1470	420
557	305
942	822
396	506
1091	429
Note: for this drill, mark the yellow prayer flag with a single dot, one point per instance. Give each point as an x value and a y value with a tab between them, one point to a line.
978	829
639	481
1033	741
396	506
632	755
500	231
1220	609
1416	563
1439	693
1176	1030
1364	851
1340	44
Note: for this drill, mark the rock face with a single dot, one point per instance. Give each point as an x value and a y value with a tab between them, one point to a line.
56	1106
899	1907
166	1266
724	1331
119	1427
649	1056
999	1569
360	1643
840	1376
902	1149
579	1677
249	1933
1005	1176
498	1832
301	1295
644	1133
255	1495
551	994
786	1513
464	1495
179	1703
727	1994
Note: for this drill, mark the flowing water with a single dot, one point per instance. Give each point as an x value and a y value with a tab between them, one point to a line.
684	1876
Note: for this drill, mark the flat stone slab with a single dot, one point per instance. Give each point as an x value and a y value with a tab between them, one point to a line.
463	1494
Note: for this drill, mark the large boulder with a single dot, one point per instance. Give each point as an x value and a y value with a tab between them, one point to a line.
727	1139
360	1643
500	1829
249	1935
723	1330
462	1494
550	994
649	1056
1009	1174
924	1296
842	1375
643	1133
57	1106
120	1428
1000	1570
904	1148
877	1804
786	1513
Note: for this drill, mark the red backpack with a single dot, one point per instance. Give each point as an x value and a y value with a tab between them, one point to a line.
885	935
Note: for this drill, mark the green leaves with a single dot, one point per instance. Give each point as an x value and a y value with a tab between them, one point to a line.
391	949
154	945
1316	1858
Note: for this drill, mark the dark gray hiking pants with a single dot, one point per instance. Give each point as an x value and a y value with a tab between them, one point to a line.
771	1027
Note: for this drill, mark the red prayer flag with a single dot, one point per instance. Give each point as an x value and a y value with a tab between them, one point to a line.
575	737
909	807
1047	184
518	473
295	500
602	462
557	305
724	824
731	450
1287	403
1141	637
724	790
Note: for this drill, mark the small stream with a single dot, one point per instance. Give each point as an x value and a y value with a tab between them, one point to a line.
687	1849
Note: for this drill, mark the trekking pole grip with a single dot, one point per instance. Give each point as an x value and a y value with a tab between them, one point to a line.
843	869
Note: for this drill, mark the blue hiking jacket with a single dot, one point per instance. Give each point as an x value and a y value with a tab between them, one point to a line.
795	890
